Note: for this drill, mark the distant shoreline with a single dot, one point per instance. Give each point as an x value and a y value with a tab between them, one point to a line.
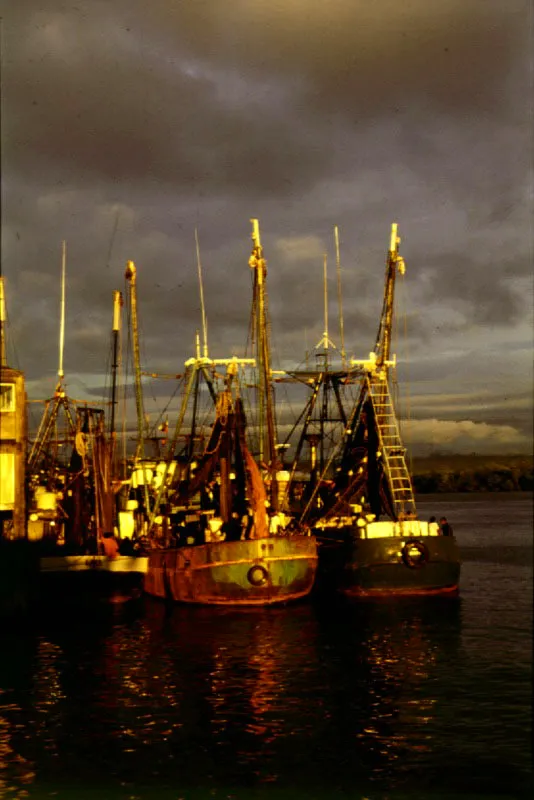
440	473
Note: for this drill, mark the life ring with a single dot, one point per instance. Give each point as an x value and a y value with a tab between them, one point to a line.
257	575
418	559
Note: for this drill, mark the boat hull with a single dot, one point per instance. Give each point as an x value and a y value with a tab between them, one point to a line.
265	571
383	566
90	580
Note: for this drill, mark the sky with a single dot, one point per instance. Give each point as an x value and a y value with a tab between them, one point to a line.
127	124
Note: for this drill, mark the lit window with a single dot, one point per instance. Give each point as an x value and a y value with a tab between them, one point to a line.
7	397
7	481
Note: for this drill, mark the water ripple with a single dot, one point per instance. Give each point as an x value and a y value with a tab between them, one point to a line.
382	699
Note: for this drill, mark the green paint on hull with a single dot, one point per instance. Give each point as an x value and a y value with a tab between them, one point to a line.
254	572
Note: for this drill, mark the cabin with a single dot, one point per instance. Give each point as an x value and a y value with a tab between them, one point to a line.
13	433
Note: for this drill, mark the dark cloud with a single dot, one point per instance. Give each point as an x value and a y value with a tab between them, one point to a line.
90	103
127	125
356	58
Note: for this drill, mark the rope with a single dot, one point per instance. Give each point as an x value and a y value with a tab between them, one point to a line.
407	380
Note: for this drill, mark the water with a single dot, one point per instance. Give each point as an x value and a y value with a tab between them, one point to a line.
393	700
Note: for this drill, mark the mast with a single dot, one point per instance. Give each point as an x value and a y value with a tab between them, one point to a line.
374	427
325	340
393	262
117	303
196	390
60	399
131	277
202	307
267	443
60	372
325	292
3	359
339	298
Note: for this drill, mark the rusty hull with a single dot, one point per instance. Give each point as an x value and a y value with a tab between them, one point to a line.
265	571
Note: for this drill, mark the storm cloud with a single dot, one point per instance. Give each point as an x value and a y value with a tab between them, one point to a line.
126	125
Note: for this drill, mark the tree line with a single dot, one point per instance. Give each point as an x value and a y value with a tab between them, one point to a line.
515	476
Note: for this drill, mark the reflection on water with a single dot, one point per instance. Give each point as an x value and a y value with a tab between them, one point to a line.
413	697
244	698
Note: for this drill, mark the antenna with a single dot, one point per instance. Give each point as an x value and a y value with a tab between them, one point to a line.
325	341
202	307
339	300
62	317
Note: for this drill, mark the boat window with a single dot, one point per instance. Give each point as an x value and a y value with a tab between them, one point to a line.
7	397
7	481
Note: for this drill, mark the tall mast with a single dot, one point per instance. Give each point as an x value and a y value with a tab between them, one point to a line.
60	372
325	341
375	415
393	262
325	293
339	297
131	277
202	307
3	359
50	415
267	442
117	302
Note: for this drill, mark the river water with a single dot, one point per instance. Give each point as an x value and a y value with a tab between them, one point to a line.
391	699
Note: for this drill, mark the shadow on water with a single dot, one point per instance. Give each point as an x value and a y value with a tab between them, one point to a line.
313	700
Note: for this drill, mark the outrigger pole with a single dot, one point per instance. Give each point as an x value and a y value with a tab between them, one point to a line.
194	367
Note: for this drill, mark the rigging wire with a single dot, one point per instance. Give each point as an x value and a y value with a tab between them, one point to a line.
403	400
408	389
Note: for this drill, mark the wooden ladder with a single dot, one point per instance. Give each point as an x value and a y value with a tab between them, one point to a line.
391	446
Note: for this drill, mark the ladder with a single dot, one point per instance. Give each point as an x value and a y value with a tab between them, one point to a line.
391	446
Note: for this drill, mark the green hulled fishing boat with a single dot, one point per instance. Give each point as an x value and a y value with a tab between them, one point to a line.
237	548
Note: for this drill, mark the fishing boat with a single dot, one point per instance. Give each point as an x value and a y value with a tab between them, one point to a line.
238	548
360	501
71	509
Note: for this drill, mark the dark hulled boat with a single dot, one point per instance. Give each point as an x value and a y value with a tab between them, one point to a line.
363	511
